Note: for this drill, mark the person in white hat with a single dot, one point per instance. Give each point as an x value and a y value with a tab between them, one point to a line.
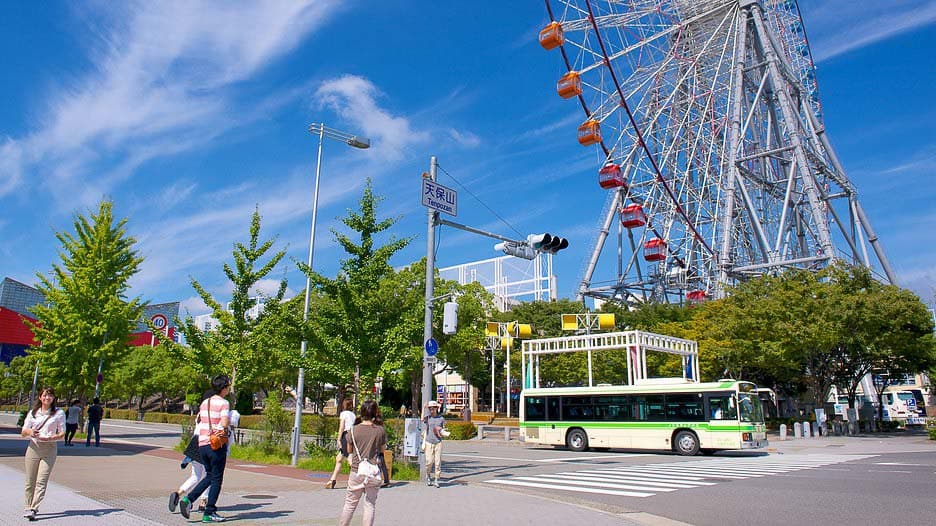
434	425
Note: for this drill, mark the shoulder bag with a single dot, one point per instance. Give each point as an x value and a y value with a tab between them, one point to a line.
217	438
366	468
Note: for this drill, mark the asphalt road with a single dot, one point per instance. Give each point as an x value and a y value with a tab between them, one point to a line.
876	479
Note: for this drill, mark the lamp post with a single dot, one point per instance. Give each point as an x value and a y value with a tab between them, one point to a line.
357	142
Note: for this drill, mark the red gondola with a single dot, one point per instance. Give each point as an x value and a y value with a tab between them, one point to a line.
551	37
695	296
632	216
655	250
610	176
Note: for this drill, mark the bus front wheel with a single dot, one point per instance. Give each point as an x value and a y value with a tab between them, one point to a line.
577	440
686	443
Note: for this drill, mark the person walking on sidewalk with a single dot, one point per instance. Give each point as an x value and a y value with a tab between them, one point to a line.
434	425
44	426
198	467
72	416
95	415
213	419
367	442
345	422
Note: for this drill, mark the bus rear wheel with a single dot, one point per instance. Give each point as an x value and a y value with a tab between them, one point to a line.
577	440
686	443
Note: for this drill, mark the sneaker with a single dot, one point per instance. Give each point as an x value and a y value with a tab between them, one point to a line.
30	515
428	481
435	482
212	517
173	501
185	506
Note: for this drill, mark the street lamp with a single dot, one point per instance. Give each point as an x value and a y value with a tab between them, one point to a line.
357	142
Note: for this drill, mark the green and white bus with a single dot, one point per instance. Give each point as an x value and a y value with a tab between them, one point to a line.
688	417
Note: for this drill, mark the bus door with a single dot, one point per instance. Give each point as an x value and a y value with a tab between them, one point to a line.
722	410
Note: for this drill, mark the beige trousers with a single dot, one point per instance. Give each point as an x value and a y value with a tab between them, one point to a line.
39	461
353	497
434	459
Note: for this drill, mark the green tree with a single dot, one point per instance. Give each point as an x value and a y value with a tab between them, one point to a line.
352	320
87	318
232	347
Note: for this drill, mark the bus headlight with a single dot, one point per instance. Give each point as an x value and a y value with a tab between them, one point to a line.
747	437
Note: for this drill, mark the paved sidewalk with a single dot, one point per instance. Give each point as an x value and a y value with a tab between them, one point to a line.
114	485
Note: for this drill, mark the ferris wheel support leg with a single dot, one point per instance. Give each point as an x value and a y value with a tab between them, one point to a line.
875	244
781	89
602	236
728	193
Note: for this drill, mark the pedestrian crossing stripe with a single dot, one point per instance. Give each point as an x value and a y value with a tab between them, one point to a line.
650	479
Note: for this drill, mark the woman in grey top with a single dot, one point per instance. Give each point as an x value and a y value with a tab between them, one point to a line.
367	440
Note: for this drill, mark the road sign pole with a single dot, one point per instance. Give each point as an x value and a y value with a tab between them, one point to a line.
427	326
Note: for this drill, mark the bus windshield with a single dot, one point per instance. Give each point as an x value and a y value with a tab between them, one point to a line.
750	406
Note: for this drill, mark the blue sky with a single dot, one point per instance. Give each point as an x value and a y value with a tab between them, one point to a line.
190	114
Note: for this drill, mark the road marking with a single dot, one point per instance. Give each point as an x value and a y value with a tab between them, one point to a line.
887	471
580	459
566	488
899	464
651	479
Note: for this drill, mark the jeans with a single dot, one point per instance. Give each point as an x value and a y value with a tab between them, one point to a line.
96	428
214	462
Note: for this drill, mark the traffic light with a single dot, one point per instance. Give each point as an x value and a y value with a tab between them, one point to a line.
547	243
516	250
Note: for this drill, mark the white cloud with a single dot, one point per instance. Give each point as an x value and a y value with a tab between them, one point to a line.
11	159
465	138
839	26
161	84
354	99
192	306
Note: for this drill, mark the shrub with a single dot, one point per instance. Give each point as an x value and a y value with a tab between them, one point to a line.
159	418
275	419
251	422
461	430
181	419
121	414
931	428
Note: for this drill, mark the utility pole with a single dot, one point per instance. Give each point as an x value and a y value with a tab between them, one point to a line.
427	327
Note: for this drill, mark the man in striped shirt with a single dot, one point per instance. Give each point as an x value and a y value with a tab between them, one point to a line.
213	416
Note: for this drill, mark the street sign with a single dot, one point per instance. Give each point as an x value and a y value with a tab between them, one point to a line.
159	321
432	347
431	360
438	197
100	378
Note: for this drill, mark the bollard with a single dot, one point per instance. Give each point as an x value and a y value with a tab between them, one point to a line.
507	433
807	433
782	431
797	430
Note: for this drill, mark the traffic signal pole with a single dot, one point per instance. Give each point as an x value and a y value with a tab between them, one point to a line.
427	327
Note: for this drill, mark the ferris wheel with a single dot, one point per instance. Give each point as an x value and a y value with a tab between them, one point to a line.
706	122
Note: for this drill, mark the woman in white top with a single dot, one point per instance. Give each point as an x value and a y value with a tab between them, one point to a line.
44	426
345	423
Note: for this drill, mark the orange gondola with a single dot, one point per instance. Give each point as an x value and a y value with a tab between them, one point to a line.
589	133
569	85
551	37
633	216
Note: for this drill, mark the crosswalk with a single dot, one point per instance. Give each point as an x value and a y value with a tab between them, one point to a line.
651	479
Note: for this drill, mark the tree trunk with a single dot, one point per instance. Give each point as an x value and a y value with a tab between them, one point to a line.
466	411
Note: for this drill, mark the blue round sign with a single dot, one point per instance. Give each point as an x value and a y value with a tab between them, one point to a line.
432	347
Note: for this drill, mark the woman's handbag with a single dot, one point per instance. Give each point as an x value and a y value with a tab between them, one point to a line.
218	437
366	469
191	450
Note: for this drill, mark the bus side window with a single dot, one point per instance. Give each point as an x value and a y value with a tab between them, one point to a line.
722	408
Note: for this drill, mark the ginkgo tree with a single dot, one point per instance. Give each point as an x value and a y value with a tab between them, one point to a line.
87	316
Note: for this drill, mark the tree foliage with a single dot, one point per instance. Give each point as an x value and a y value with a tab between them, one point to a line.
87	316
234	346
352	319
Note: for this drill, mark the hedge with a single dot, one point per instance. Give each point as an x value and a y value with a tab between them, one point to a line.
461	430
